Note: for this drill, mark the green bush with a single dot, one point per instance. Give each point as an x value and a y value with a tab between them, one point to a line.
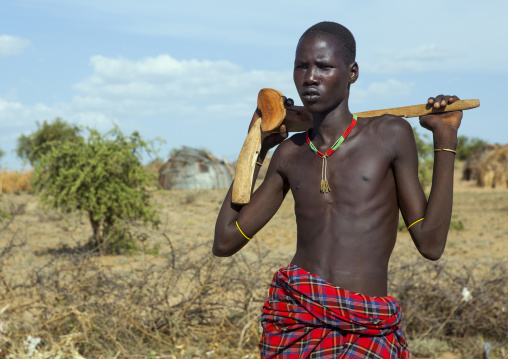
102	176
456	223
32	147
465	148
468	145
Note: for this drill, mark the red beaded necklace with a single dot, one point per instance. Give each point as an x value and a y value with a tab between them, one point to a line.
325	187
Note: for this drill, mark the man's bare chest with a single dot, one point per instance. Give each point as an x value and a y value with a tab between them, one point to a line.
354	173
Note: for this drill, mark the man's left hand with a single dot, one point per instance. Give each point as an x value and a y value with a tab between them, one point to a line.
442	122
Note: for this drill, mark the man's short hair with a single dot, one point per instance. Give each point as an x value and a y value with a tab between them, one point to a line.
340	32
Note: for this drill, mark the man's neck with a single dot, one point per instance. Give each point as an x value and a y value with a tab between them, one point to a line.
327	127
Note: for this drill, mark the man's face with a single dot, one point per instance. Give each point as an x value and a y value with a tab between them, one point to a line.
321	75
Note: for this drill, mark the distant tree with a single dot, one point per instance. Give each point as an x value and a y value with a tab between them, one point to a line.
2	153
469	145
47	135
466	147
102	176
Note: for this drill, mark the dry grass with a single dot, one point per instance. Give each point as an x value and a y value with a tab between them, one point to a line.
183	303
15	181
180	302
453	306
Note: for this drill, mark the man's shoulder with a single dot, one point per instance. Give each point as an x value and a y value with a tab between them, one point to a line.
288	151
293	143
391	133
388	123
387	128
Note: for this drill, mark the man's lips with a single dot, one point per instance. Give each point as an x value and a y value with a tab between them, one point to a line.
310	94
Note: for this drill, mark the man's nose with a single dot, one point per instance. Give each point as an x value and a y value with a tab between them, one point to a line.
311	77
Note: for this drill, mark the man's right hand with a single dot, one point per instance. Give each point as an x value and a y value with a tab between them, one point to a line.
274	139
271	140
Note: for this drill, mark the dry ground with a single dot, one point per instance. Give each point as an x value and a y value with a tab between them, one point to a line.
188	219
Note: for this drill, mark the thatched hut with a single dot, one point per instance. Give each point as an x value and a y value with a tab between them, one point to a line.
488	167
191	169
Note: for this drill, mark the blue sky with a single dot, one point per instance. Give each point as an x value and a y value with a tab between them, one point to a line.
189	71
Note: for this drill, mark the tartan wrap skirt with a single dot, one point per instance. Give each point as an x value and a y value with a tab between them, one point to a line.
307	317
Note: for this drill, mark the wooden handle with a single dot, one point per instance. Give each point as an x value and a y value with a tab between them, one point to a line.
421	110
299	120
244	173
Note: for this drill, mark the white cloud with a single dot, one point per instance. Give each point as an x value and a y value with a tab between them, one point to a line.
181	87
15	114
190	101
380	91
164	77
11	45
159	95
429	52
422	58
190	91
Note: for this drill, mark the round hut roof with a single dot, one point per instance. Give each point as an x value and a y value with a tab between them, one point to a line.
191	169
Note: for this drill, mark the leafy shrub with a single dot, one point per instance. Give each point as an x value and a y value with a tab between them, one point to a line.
465	148
469	145
456	224
35	145
103	177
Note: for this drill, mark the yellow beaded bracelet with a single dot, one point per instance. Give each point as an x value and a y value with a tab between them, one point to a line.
421	219
242	231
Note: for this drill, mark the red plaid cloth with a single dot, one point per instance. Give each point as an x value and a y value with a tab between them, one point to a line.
306	317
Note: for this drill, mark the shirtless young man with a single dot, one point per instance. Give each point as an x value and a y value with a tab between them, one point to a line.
332	300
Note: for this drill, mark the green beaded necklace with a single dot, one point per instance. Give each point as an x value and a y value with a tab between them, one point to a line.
325	187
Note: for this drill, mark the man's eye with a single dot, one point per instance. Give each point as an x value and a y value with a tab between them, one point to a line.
300	67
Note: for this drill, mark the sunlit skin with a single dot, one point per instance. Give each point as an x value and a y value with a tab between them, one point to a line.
346	236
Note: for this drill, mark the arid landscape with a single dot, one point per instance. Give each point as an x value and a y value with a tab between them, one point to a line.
173	299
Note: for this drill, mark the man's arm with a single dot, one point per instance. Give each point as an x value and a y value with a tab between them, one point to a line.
264	203
429	234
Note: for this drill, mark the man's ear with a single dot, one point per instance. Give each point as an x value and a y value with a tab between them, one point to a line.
353	72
